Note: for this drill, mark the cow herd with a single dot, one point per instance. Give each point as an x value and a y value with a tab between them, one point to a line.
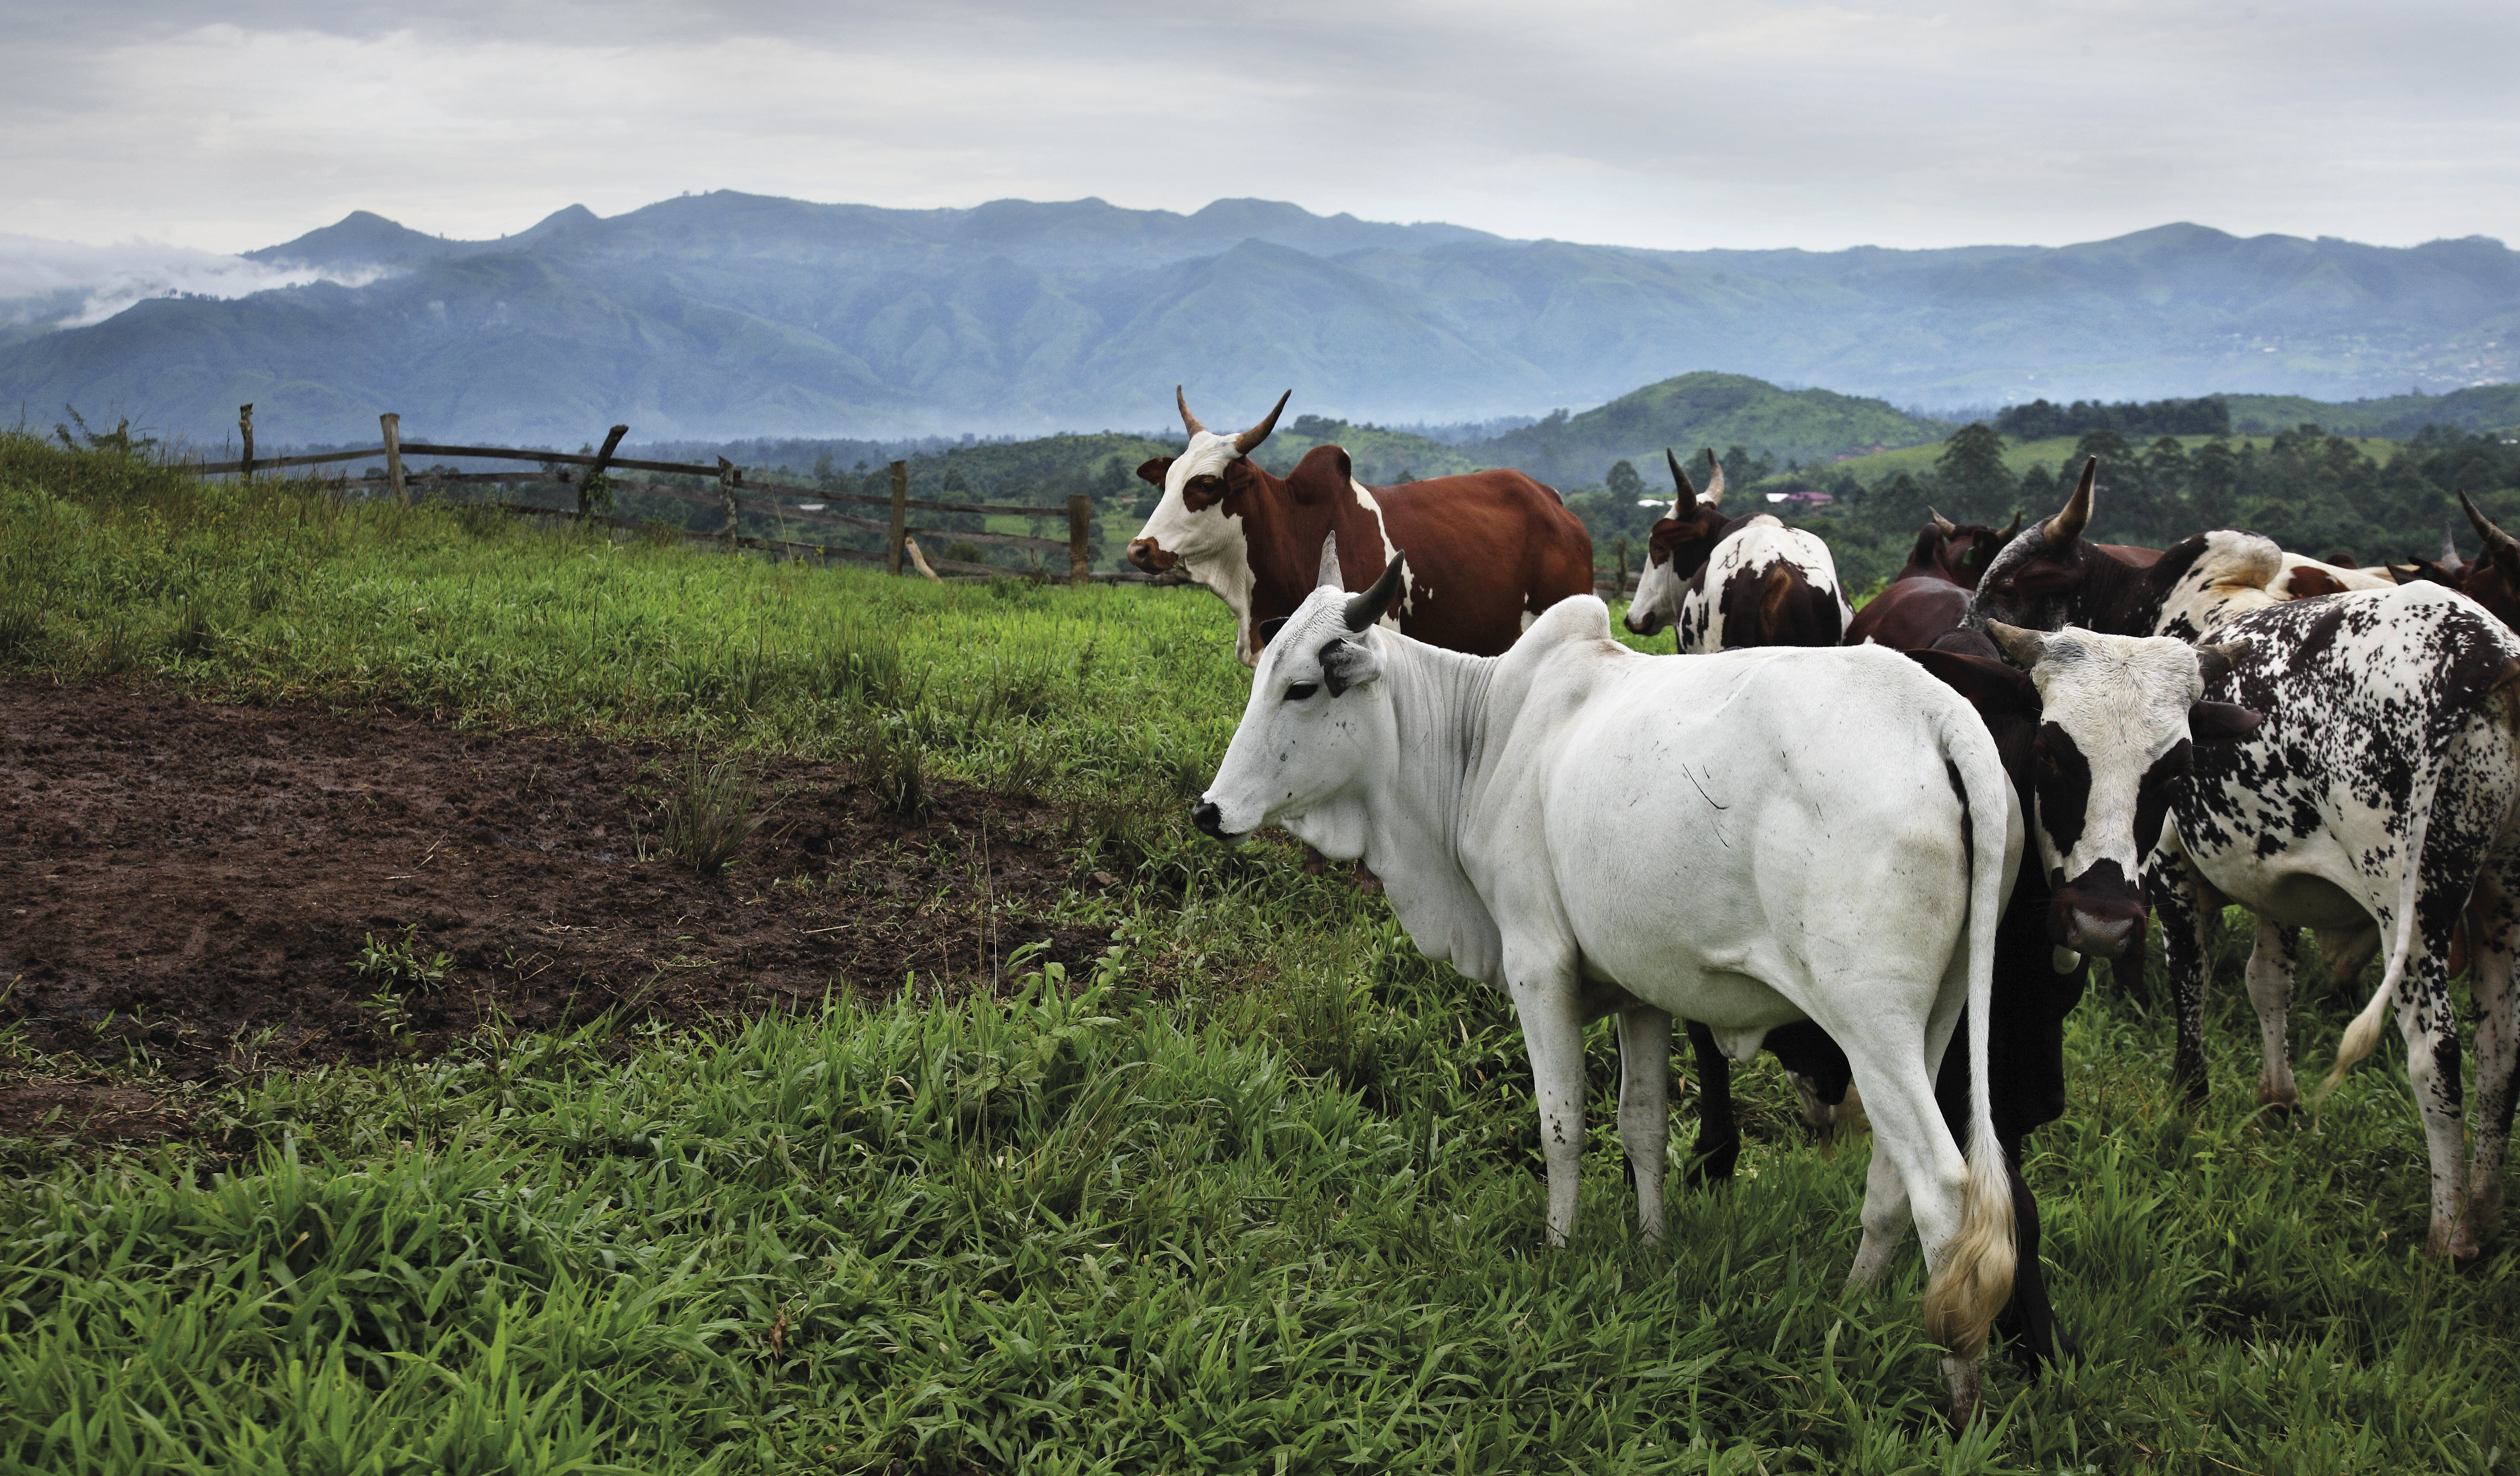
1893	827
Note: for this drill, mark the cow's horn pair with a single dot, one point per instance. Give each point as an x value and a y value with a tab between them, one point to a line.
1685	496
2496	540
1246	442
2068	526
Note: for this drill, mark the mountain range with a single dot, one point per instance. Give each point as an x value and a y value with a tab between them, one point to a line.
729	314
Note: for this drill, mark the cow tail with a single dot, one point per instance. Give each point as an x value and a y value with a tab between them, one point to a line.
1975	1277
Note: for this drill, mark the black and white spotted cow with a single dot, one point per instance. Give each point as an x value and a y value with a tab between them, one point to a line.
2381	792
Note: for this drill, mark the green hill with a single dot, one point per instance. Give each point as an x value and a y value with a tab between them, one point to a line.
2481	408
1693	410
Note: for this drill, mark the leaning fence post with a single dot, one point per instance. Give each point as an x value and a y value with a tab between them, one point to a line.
244	433
392	424
1080	521
603	458
1619	590
899	528
729	477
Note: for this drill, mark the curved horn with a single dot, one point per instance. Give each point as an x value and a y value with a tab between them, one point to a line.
1250	440
2450	543
1942	524
2068	526
1362	611
2024	647
1713	493
2495	538
2005	533
1684	495
1329	576
1187	419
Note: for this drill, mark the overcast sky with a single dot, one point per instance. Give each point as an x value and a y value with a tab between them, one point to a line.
1660	125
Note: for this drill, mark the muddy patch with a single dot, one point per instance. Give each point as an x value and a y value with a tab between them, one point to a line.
197	884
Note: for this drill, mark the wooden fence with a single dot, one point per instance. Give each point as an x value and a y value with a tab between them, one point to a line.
580	471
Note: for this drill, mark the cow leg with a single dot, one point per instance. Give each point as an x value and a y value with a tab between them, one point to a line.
2272	962
2028	1320
1644	1107
1719	1136
2171	889
1885	1218
1552	1031
2492	928
2431	1030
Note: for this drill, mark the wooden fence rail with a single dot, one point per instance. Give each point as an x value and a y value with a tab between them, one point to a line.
896	528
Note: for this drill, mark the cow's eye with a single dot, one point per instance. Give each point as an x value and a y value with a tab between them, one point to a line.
1302	690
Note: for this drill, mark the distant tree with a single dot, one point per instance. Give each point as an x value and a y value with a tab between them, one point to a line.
1899	503
2039	493
1623	482
1970	473
2213	486
1742	469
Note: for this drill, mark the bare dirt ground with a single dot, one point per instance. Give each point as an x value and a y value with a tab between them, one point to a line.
191	882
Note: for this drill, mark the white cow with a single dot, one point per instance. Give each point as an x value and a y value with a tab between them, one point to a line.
1839	820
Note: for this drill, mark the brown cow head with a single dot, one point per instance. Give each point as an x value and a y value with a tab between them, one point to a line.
2034	580
1192	521
2493	578
1677	548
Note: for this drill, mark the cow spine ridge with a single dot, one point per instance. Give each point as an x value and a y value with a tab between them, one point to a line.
1975	1277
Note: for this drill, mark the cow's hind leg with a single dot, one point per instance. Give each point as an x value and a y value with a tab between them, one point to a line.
1644	1106
1719	1135
2430	1027
2174	893
2028	1320
2273	959
1552	1031
2492	930
1885	1218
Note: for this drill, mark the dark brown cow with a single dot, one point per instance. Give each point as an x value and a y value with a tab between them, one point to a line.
1930	593
2492	579
1487	552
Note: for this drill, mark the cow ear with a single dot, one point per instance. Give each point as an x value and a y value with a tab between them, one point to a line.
1267	630
2214	663
1348	663
2220	721
1991	687
1153	471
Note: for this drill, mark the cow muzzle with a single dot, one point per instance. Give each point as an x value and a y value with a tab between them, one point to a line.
1149	556
1210	821
1641	621
2097	915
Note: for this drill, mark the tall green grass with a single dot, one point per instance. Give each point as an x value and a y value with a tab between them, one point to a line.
1261	1194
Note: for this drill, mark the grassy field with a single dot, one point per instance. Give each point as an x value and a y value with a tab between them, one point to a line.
1260	1192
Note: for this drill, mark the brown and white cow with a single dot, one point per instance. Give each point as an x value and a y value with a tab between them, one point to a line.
1732	584
1487	552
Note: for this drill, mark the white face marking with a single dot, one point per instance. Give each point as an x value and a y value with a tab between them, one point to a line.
2123	701
1209	543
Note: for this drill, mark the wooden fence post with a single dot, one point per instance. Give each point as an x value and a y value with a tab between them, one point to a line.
245	432
603	458
1080	522
1619	588
729	477
900	527
392	424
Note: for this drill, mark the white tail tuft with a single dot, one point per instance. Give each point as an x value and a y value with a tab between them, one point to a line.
2360	1036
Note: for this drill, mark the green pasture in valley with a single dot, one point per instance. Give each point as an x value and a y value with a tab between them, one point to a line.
1260	1192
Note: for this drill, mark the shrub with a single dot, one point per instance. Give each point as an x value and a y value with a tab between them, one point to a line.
708	816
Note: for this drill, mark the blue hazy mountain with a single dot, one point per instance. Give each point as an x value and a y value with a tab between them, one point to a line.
733	314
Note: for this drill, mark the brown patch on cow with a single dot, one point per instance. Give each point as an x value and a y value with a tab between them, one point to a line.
2310	582
192	881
